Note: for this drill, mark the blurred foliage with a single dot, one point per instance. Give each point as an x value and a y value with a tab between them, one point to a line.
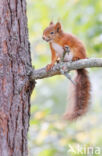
49	134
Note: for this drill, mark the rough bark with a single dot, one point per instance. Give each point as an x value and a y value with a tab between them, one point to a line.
15	87
17	78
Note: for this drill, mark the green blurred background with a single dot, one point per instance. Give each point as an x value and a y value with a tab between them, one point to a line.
49	135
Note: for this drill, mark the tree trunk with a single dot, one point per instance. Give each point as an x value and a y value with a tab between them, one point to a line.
15	84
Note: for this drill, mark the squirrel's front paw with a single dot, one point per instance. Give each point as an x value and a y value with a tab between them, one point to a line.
48	67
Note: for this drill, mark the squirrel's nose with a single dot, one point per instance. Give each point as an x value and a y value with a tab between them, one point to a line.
43	37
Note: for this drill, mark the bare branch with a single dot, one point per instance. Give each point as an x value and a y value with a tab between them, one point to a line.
85	63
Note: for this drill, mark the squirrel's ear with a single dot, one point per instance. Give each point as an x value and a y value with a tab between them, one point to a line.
58	26
51	23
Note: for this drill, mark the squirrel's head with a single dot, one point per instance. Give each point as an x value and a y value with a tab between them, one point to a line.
52	32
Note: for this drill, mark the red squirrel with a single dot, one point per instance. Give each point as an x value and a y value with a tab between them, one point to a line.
58	40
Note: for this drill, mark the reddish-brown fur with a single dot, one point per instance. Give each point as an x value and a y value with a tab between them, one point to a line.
81	93
82	89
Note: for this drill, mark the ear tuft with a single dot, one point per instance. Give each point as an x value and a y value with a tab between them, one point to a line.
58	26
51	23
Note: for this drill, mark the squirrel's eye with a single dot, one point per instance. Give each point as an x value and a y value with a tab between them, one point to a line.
51	32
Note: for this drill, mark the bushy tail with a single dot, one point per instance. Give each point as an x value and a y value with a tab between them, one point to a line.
79	99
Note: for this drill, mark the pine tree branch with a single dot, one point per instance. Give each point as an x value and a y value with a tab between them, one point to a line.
85	63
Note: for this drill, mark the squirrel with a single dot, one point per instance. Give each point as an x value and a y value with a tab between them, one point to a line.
58	40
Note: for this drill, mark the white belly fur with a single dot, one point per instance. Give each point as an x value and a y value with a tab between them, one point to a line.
59	52
68	57
59	49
